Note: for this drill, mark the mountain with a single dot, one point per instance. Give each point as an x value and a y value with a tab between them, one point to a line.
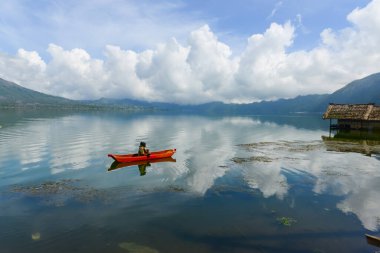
307	103
16	96
300	104
12	94
366	90
362	91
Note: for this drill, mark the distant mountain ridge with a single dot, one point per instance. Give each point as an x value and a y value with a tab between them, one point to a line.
362	91
366	90
14	94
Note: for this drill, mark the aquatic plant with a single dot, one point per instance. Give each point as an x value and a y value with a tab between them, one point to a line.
36	236
286	221
264	159
136	248
57	193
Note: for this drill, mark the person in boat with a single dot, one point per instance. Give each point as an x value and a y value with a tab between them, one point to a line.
143	150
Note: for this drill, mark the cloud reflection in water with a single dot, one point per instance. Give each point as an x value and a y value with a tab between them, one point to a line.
207	150
353	176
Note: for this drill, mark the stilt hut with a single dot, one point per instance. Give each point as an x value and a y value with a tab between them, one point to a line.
353	116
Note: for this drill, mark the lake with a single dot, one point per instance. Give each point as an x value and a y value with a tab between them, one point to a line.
238	184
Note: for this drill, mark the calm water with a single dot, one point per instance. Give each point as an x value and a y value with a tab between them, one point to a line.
239	184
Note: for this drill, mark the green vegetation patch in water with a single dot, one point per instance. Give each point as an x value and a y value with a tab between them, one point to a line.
132	247
286	221
240	160
292	146
57	193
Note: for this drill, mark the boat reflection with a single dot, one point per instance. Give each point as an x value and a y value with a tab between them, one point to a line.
373	240
363	142
140	164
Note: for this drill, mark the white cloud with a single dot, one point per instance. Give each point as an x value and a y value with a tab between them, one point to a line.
26	68
263	65
74	73
275	9
204	68
123	69
211	63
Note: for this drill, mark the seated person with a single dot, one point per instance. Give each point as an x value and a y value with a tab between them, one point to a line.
142	149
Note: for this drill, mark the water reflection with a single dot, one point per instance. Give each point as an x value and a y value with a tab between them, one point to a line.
353	177
235	163
361	190
140	164
363	142
268	178
373	240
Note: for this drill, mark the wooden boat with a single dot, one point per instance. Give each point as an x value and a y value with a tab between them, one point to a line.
117	165
136	157
373	240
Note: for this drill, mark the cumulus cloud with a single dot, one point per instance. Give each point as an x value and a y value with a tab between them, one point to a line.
263	65
26	68
204	69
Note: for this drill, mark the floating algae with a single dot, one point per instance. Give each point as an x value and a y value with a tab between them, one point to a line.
256	145
286	221
304	147
47	188
173	188
293	146
132	247
57	193
264	159
267	152
335	173
36	236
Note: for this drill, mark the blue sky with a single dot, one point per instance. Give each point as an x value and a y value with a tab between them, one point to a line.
40	40
242	18
32	25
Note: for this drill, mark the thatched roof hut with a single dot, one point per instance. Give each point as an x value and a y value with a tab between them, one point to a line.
362	112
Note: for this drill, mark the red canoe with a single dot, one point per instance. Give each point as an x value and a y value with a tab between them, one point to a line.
116	165
135	157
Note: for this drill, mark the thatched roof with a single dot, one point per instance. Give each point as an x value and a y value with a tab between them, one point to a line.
353	112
